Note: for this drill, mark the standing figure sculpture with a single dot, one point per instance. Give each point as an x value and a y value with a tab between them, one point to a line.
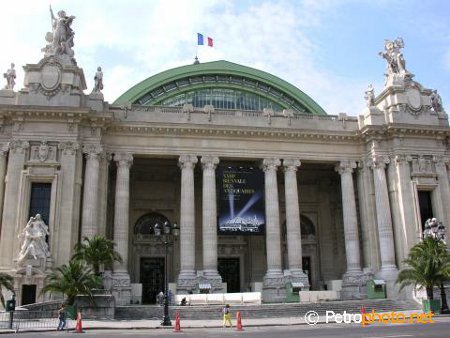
436	101
10	77
370	96
34	239
395	62
98	79
61	38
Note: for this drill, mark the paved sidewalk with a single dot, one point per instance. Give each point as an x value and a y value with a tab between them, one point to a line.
188	324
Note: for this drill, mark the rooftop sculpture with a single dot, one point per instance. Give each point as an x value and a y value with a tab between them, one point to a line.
60	39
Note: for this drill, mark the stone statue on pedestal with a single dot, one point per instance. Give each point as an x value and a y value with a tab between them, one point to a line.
98	79
436	101
396	65
370	96
34	244
10	77
60	40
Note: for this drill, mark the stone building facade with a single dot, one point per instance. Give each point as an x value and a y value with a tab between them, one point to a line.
345	197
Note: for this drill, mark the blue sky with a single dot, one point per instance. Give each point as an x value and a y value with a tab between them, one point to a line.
327	48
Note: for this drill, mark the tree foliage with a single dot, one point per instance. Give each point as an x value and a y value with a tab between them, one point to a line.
428	266
75	278
96	251
6	282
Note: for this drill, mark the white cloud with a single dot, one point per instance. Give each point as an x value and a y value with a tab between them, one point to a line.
136	39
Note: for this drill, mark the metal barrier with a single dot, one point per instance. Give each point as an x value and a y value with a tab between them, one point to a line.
26	320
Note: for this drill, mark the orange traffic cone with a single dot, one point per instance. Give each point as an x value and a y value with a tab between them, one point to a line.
79	326
177	322
363	310
239	321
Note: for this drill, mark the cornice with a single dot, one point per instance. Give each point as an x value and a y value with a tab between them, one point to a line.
402	130
232	131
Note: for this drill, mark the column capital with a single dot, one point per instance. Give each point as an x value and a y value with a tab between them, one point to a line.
92	151
440	160
187	161
69	148
291	164
123	159
402	159
209	162
269	164
379	161
345	166
18	146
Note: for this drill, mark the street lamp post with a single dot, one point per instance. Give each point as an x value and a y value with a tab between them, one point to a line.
167	234
436	230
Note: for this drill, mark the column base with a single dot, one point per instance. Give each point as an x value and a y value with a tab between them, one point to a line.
389	275
212	277
187	281
274	289
354	285
297	276
121	287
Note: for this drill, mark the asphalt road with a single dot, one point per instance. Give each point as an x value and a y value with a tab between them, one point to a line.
438	329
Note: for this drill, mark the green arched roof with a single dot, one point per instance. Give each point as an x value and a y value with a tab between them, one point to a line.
219	74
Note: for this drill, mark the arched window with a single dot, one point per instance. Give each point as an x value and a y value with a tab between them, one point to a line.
307	226
146	224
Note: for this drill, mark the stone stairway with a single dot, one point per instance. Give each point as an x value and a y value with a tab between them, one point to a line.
265	310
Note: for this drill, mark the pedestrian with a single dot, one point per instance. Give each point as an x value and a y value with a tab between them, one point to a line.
62	318
227	316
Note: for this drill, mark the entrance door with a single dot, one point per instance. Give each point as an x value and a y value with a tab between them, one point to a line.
28	294
152	278
229	269
306	264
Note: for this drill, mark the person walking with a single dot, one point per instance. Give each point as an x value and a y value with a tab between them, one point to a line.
62	318
227	316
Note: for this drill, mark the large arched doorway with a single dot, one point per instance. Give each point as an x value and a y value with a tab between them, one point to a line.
151	263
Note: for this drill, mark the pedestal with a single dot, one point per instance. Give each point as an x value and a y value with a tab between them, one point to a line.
354	285
274	290
121	288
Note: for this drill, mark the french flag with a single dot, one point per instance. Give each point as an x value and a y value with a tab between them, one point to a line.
201	40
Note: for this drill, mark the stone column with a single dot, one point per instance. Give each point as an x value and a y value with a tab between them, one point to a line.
121	278
105	160
353	278
187	276
441	163
388	269
69	207
407	232
16	161
3	154
366	197
89	220
121	209
294	236
209	215
273	280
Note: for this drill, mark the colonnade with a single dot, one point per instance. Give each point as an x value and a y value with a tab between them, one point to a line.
274	273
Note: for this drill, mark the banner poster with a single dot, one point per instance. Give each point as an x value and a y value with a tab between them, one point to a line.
241	201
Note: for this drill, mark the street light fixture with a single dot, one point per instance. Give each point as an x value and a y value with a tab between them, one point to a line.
436	230
166	234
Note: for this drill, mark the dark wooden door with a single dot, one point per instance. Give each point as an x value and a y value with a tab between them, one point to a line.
152	278
229	269
28	294
306	264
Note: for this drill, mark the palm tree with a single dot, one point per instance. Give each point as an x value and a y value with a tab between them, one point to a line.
429	266
97	251
6	281
71	280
